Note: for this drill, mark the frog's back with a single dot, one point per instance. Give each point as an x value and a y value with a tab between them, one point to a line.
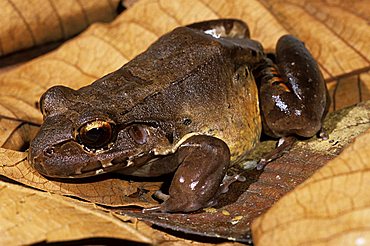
171	59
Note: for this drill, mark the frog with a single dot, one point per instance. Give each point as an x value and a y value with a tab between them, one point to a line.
193	104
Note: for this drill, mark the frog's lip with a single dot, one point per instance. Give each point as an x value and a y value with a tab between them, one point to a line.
90	169
47	167
105	167
114	164
99	168
54	163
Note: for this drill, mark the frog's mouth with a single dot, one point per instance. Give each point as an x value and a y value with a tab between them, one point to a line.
124	164
71	160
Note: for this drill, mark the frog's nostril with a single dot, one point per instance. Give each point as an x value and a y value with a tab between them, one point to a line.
49	151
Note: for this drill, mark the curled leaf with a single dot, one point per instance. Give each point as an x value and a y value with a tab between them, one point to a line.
331	208
33	23
31	216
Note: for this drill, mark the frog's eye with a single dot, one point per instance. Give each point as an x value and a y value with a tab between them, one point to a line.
96	134
138	133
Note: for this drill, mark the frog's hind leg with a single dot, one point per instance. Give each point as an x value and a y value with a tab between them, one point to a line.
292	94
232	28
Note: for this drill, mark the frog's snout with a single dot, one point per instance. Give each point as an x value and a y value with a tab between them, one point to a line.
52	161
37	160
36	163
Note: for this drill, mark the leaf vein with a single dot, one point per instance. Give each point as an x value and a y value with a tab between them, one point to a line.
28	27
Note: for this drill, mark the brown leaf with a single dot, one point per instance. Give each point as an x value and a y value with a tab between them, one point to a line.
30	216
161	238
112	191
331	208
349	90
31	23
19	122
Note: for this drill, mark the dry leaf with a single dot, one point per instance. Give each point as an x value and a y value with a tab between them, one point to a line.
330	208
30	216
349	90
16	134
112	191
31	23
163	239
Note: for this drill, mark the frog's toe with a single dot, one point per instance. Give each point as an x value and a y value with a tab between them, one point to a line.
162	196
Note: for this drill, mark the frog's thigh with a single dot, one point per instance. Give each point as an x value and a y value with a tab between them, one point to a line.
296	103
203	164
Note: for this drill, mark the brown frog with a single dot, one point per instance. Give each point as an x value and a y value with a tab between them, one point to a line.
188	105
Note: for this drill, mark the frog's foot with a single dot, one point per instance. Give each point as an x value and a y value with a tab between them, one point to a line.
283	146
160	195
292	92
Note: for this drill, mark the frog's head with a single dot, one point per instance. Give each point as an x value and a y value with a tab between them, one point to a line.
79	139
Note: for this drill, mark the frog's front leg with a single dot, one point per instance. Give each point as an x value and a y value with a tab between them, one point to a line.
203	164
293	95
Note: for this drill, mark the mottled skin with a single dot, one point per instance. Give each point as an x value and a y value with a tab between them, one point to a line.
188	105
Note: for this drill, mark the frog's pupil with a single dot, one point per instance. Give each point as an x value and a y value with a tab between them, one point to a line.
95	135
